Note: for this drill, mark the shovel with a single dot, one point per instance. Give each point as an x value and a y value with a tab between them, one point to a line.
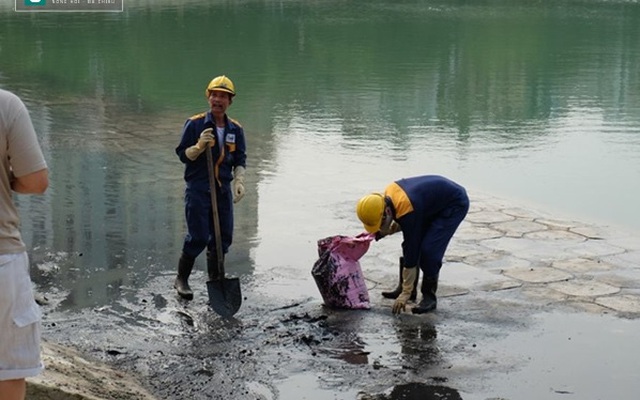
224	294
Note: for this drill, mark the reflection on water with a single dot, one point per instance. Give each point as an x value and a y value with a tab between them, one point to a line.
419	391
532	101
418	340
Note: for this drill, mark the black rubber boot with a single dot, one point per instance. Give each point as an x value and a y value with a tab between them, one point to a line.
396	292
429	300
212	267
181	284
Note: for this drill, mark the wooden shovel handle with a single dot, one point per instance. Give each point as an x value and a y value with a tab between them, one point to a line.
214	208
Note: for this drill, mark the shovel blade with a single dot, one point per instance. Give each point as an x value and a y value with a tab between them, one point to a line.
225	296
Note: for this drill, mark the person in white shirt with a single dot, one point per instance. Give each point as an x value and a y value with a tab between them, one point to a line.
23	170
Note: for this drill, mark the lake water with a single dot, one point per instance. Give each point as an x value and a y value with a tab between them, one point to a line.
536	102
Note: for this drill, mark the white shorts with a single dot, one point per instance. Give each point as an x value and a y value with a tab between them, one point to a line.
19	320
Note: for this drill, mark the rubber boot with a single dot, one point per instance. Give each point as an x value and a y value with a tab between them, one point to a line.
181	284
212	267
429	300
396	292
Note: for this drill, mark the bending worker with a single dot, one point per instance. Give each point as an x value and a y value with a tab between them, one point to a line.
226	138
428	209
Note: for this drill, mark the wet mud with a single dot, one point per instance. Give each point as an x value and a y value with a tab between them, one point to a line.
183	350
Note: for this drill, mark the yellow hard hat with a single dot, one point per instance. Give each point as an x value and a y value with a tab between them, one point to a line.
220	83
370	210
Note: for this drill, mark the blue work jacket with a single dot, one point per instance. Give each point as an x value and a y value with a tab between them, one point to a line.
417	202
232	154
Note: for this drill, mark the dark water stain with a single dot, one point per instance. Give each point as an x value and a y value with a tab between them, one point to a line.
417	391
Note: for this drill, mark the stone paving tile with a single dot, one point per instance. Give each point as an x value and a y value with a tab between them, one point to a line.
471	278
582	265
584	288
595	248
589	232
488	217
625	260
553	235
628	242
542	294
590	307
623	303
458	250
625	279
530	249
538	275
521	213
518	227
496	262
558	224
470	232
451	290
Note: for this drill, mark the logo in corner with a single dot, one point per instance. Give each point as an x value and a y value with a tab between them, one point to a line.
35	2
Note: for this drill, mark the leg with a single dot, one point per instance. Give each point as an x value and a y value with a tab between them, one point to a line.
181	284
396	292
434	246
19	328
197	216
14	389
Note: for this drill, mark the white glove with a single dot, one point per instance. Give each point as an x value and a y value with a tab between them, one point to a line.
238	183
206	138
409	276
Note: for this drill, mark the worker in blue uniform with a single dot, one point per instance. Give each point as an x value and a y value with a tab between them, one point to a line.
226	139
428	210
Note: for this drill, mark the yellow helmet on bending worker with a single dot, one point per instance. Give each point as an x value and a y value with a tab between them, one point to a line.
370	210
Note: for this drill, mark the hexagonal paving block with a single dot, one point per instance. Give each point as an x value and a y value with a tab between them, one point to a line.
499	285
543	294
458	250
588	231
581	265
504	263
484	257
487	217
588	306
623	303
629	259
473	278
555	235
584	288
627	279
595	248
522	213
534	250
518	228
450	291
625	240
538	275
554	223
473	232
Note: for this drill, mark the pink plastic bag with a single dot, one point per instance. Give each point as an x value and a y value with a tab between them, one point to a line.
338	274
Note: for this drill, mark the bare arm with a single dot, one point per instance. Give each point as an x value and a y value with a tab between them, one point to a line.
33	183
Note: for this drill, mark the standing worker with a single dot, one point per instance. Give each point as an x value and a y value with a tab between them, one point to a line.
226	138
428	209
22	170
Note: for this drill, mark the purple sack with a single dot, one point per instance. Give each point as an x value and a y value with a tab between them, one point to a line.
338	274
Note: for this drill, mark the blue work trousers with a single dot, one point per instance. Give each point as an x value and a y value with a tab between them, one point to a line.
438	234
199	217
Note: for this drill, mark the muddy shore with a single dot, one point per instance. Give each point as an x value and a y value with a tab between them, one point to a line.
509	273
